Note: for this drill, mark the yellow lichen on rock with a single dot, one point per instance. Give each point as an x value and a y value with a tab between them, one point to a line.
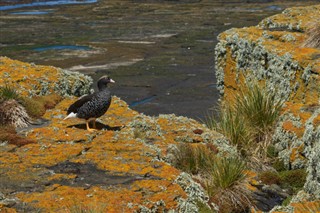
25	76
118	167
273	54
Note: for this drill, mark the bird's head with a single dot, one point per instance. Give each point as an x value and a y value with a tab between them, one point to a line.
103	82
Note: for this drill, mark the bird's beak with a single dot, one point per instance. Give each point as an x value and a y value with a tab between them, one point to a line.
112	81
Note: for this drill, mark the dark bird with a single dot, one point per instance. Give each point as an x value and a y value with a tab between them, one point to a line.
91	107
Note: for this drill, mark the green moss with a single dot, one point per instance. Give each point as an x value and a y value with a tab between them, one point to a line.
278	165
287	201
293	179
203	208
271	151
36	106
270	177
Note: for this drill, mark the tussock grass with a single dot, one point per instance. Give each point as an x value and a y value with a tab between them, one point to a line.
259	108
226	185
229	122
193	158
35	106
223	178
248	121
7	92
226	172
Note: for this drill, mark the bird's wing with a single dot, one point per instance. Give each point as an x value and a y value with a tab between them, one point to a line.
79	103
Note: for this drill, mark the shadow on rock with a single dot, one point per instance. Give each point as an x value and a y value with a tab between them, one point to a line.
88	175
99	126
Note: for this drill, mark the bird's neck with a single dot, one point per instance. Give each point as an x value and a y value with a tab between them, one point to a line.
102	87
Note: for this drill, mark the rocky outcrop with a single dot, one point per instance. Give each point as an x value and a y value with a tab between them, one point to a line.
123	166
30	79
273	55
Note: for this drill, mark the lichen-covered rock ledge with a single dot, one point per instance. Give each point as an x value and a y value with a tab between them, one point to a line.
273	54
30	79
122	167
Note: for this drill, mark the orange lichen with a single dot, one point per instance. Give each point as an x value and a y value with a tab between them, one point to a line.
23	75
112	148
296	153
62	198
306	206
288	126
278	43
6	210
316	121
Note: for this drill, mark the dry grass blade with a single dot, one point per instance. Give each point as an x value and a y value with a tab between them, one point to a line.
313	39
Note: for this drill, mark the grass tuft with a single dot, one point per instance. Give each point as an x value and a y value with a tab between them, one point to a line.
35	106
223	178
225	173
248	121
229	122
259	108
193	158
226	185
7	92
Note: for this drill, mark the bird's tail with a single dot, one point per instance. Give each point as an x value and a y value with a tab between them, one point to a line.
71	115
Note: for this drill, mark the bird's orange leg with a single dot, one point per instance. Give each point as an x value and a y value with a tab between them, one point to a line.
94	124
88	127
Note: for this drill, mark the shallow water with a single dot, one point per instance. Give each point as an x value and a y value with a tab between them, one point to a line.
61	47
160	53
16	5
34	12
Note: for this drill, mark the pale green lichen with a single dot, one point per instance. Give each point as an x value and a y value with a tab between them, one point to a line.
257	63
220	63
73	83
156	207
217	139
288	38
288	209
145	126
311	138
194	191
